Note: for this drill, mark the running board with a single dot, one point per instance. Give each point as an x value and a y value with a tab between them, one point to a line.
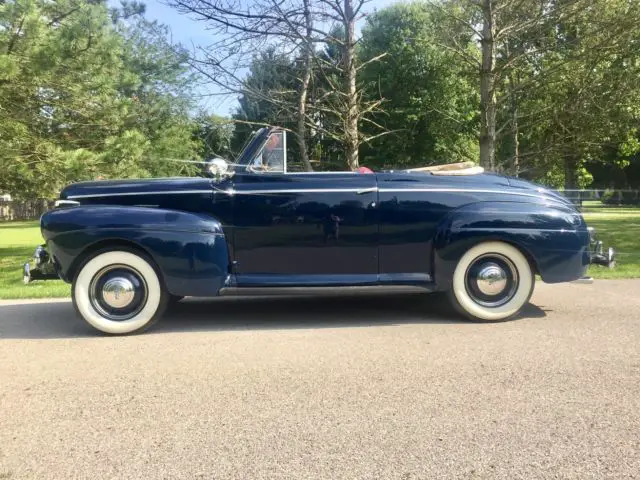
332	290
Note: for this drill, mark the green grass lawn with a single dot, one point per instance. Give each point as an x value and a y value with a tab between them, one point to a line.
617	227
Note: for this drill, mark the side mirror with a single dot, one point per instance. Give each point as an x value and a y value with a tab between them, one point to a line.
218	168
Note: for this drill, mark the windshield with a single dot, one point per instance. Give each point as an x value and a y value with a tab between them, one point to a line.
247	142
253	144
271	157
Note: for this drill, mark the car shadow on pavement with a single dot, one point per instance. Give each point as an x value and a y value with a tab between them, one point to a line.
58	320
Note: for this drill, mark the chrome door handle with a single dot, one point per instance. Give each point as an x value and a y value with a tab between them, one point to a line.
367	190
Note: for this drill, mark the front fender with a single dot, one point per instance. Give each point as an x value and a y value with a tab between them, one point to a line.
553	236
190	249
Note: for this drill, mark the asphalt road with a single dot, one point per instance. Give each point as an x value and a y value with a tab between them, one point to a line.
348	388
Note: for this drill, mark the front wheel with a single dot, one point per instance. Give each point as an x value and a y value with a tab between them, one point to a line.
119	292
492	282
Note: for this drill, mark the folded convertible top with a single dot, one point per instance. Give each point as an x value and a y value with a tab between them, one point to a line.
462	168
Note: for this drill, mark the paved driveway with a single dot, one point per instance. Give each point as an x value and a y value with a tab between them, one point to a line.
350	388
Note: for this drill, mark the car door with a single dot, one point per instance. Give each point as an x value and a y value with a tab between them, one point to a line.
305	228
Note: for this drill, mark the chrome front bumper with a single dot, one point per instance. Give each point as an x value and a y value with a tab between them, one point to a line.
41	267
600	256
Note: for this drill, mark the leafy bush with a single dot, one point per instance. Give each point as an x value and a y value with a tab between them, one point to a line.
620	197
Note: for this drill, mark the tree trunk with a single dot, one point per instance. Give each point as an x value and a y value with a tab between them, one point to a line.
515	127
516	143
515	130
487	89
15	35
301	129
351	134
570	171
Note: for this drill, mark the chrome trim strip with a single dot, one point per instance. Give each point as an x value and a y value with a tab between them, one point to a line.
65	203
459	190
109	194
298	190
383	190
314	190
323	173
516	229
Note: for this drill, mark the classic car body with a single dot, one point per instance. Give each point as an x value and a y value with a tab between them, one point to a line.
253	230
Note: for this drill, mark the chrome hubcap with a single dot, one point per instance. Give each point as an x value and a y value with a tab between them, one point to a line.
118	292
491	280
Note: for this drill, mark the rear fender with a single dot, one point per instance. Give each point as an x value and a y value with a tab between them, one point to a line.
190	250
552	236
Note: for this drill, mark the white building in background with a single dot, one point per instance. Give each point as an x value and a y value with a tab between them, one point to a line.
6	197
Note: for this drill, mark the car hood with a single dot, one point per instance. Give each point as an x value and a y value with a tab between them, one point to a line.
116	188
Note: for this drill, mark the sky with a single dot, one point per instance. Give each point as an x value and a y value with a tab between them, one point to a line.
192	33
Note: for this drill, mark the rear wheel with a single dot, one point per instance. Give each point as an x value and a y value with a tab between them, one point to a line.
119	292
492	282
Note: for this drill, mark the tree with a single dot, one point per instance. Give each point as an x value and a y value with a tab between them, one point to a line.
244	33
158	80
586	107
494	25
555	80
430	100
57	92
214	133
297	29
82	96
347	15
271	76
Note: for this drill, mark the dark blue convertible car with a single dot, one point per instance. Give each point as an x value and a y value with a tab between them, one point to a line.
255	227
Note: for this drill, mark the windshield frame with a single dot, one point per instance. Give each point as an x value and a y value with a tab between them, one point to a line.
249	151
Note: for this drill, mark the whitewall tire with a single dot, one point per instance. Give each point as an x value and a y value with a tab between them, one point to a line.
119	292
492	282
